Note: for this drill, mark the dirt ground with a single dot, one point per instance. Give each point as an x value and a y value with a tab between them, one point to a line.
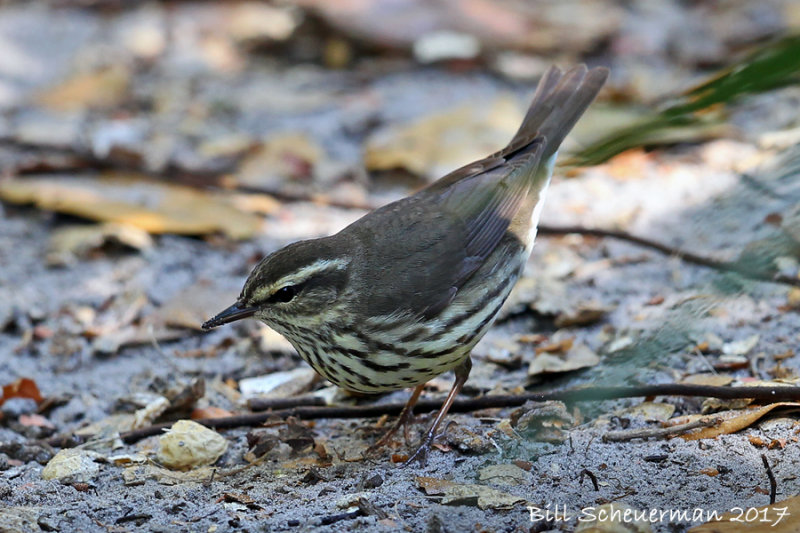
104	329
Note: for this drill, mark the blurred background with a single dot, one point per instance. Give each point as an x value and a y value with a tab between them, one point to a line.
151	152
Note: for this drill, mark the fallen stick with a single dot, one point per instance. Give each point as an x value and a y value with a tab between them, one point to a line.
585	394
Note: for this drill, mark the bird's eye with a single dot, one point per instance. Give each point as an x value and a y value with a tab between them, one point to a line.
284	294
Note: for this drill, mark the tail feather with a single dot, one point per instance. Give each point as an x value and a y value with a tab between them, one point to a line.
558	103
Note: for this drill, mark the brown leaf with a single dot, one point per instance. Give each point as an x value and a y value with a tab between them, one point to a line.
733	421
192	306
780	518
34	420
209	412
21	388
467	493
95	90
136	201
439	143
586	314
562	357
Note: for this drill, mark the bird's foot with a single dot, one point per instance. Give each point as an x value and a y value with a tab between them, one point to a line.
421	455
405	418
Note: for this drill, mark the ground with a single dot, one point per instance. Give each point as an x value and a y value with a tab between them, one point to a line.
106	327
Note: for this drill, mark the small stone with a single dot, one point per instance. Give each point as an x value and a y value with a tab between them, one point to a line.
373	482
188	445
72	466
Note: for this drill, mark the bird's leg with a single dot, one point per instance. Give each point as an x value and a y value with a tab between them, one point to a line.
462	373
402	420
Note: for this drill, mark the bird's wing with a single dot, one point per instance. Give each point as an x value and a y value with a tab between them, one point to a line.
431	243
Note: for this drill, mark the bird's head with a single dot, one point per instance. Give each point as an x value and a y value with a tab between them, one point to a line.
299	285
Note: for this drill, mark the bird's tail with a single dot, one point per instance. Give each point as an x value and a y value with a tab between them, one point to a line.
559	101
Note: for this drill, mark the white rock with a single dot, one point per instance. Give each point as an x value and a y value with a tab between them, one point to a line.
188	444
72	465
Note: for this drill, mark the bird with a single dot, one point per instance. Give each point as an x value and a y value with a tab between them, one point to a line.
404	293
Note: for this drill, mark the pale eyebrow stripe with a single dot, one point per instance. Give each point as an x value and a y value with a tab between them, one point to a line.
299	276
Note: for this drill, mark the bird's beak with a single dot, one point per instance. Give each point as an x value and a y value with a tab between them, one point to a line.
231	314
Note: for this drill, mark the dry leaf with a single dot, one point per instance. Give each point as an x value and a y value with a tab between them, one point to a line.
577	356
209	412
714	380
21	388
136	201
278	384
437	144
95	90
613	518
192	306
732	421
467	494
780	518
741	347
504	474
651	411
70	243
586	314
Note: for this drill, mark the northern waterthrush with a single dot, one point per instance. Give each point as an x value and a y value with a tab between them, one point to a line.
404	293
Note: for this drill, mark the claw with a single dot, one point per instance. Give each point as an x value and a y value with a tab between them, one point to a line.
421	455
402	421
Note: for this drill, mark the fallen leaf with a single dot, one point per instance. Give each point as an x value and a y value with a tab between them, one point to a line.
139	474
543	421
278	384
586	314
569	358
467	494
650	411
613	518
781	518
439	143
209	412
504	474
36	421
732	421
741	347
192	306
95	90
21	388
714	380
68	244
133	200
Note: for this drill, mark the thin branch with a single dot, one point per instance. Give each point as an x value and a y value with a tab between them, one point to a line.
773	485
587	394
689	257
646	433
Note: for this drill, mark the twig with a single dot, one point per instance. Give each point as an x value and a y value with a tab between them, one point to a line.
773	485
265	404
645	433
332	519
773	394
591	476
689	257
